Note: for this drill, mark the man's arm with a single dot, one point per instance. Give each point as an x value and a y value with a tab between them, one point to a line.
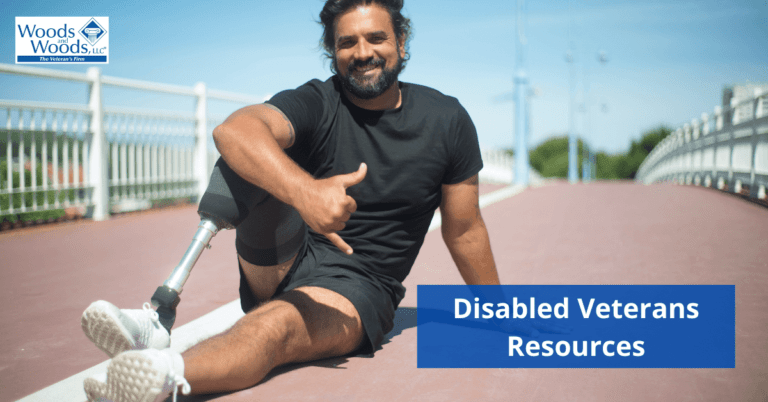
252	140
465	234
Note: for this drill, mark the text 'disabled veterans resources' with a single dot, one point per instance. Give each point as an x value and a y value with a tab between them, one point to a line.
576	326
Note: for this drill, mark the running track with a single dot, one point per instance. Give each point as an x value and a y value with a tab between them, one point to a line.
601	233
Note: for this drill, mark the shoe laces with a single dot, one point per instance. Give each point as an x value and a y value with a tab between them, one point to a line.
179	381
152	313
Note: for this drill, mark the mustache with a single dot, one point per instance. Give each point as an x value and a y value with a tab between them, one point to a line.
371	62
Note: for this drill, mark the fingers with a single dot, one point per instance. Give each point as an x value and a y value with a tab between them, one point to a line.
353	178
339	242
345	218
337	210
351	206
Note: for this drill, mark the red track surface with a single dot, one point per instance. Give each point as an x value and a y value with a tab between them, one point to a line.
602	233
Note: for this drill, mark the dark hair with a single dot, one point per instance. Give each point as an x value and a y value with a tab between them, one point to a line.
334	8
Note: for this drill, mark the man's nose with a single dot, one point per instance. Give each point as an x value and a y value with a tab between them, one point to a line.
364	50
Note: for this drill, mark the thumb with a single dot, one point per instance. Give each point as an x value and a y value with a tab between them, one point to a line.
355	177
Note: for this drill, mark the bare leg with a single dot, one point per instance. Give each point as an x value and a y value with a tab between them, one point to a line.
305	324
264	281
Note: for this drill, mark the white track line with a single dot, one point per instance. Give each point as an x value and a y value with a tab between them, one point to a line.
215	322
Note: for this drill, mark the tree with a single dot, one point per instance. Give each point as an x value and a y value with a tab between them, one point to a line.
550	158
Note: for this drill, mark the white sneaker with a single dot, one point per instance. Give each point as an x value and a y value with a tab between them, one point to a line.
115	331
139	376
96	387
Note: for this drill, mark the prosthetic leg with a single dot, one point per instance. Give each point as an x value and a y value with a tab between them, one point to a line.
225	204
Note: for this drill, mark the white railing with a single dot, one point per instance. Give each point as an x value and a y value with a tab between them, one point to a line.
104	159
498	167
729	150
38	133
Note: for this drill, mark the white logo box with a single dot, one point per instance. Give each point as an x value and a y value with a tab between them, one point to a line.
62	40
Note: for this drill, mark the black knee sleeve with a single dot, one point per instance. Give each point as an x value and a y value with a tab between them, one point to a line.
269	232
228	198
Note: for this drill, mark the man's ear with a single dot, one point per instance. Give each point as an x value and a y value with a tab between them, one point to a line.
401	47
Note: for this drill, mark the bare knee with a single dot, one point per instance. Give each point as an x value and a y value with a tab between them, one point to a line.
304	324
243	355
301	325
329	326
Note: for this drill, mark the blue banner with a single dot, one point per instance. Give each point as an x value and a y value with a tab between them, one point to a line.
577	326
61	59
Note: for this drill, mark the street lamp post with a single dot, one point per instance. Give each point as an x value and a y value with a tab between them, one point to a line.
573	175
602	57
572	172
588	154
586	175
521	101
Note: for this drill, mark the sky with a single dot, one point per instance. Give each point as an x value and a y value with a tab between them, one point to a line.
667	61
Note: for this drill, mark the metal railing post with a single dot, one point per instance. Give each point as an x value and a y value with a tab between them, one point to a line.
696	127
730	161
704	124
97	160
756	111
735	118
200	158
719	120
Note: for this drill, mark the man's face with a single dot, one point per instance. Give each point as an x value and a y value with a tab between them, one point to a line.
368	58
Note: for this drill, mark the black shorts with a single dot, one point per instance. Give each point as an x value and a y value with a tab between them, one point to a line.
318	266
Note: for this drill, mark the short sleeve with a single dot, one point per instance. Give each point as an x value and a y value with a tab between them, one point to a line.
304	107
466	160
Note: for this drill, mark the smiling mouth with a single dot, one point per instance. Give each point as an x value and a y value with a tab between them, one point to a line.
366	69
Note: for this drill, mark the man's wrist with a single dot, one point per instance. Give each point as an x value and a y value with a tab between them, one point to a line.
301	191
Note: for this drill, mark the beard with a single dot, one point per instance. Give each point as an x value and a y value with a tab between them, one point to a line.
369	88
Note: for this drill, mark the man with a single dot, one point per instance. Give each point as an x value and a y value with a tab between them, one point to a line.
363	160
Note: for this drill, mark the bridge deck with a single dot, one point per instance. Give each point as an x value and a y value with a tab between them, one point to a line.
602	233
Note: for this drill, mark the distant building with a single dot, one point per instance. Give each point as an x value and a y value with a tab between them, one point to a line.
740	92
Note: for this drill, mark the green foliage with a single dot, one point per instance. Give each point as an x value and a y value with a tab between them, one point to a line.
638	150
29	196
550	158
607	166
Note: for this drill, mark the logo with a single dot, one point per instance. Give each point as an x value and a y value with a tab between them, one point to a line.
57	40
92	31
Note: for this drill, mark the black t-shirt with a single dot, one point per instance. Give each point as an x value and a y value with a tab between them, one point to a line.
410	151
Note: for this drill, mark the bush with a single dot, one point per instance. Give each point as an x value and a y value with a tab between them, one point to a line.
550	158
29	197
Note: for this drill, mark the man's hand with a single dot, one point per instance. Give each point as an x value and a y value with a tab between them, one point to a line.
326	207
